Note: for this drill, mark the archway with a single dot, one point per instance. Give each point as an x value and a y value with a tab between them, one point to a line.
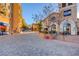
68	27
53	28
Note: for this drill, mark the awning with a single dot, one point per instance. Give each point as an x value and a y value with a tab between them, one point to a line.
2	27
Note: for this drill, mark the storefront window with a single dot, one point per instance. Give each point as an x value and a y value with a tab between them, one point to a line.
54	26
53	29
67	29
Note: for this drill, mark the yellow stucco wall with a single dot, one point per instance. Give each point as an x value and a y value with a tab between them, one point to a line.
4	19
35	27
17	20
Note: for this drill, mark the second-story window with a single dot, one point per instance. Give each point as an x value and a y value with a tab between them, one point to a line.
53	19
69	4
63	4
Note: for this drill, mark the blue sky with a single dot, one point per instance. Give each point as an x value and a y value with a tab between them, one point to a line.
28	9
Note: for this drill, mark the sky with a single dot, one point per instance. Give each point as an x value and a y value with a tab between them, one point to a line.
29	9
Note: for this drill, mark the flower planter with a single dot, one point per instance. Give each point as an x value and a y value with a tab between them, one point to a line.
49	37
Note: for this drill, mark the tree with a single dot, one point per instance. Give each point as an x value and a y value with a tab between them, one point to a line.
24	25
35	17
47	9
40	25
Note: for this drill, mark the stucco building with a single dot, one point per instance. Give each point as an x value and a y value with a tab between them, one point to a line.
16	18
68	18
65	21
5	14
11	16
35	27
51	22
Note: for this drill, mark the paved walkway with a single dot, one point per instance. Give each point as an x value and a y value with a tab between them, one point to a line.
31	45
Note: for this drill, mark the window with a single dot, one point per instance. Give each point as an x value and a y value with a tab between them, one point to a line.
54	26
52	19
69	4
68	24
67	29
67	12
53	29
63	4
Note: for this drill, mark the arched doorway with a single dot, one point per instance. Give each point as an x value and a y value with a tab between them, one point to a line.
53	28
68	27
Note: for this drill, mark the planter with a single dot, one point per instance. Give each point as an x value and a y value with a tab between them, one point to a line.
49	36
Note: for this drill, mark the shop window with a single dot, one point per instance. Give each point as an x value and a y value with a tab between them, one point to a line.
53	18
54	26
67	29
53	29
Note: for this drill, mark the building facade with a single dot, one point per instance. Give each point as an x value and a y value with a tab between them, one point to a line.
5	15
65	21
51	23
68	18
11	16
16	18
35	27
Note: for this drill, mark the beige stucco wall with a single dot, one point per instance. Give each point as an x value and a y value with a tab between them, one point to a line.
47	23
56	21
71	18
73	13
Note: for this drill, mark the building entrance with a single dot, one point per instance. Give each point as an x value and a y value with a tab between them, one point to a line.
68	27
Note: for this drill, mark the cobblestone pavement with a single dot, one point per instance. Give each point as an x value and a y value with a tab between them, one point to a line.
29	44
